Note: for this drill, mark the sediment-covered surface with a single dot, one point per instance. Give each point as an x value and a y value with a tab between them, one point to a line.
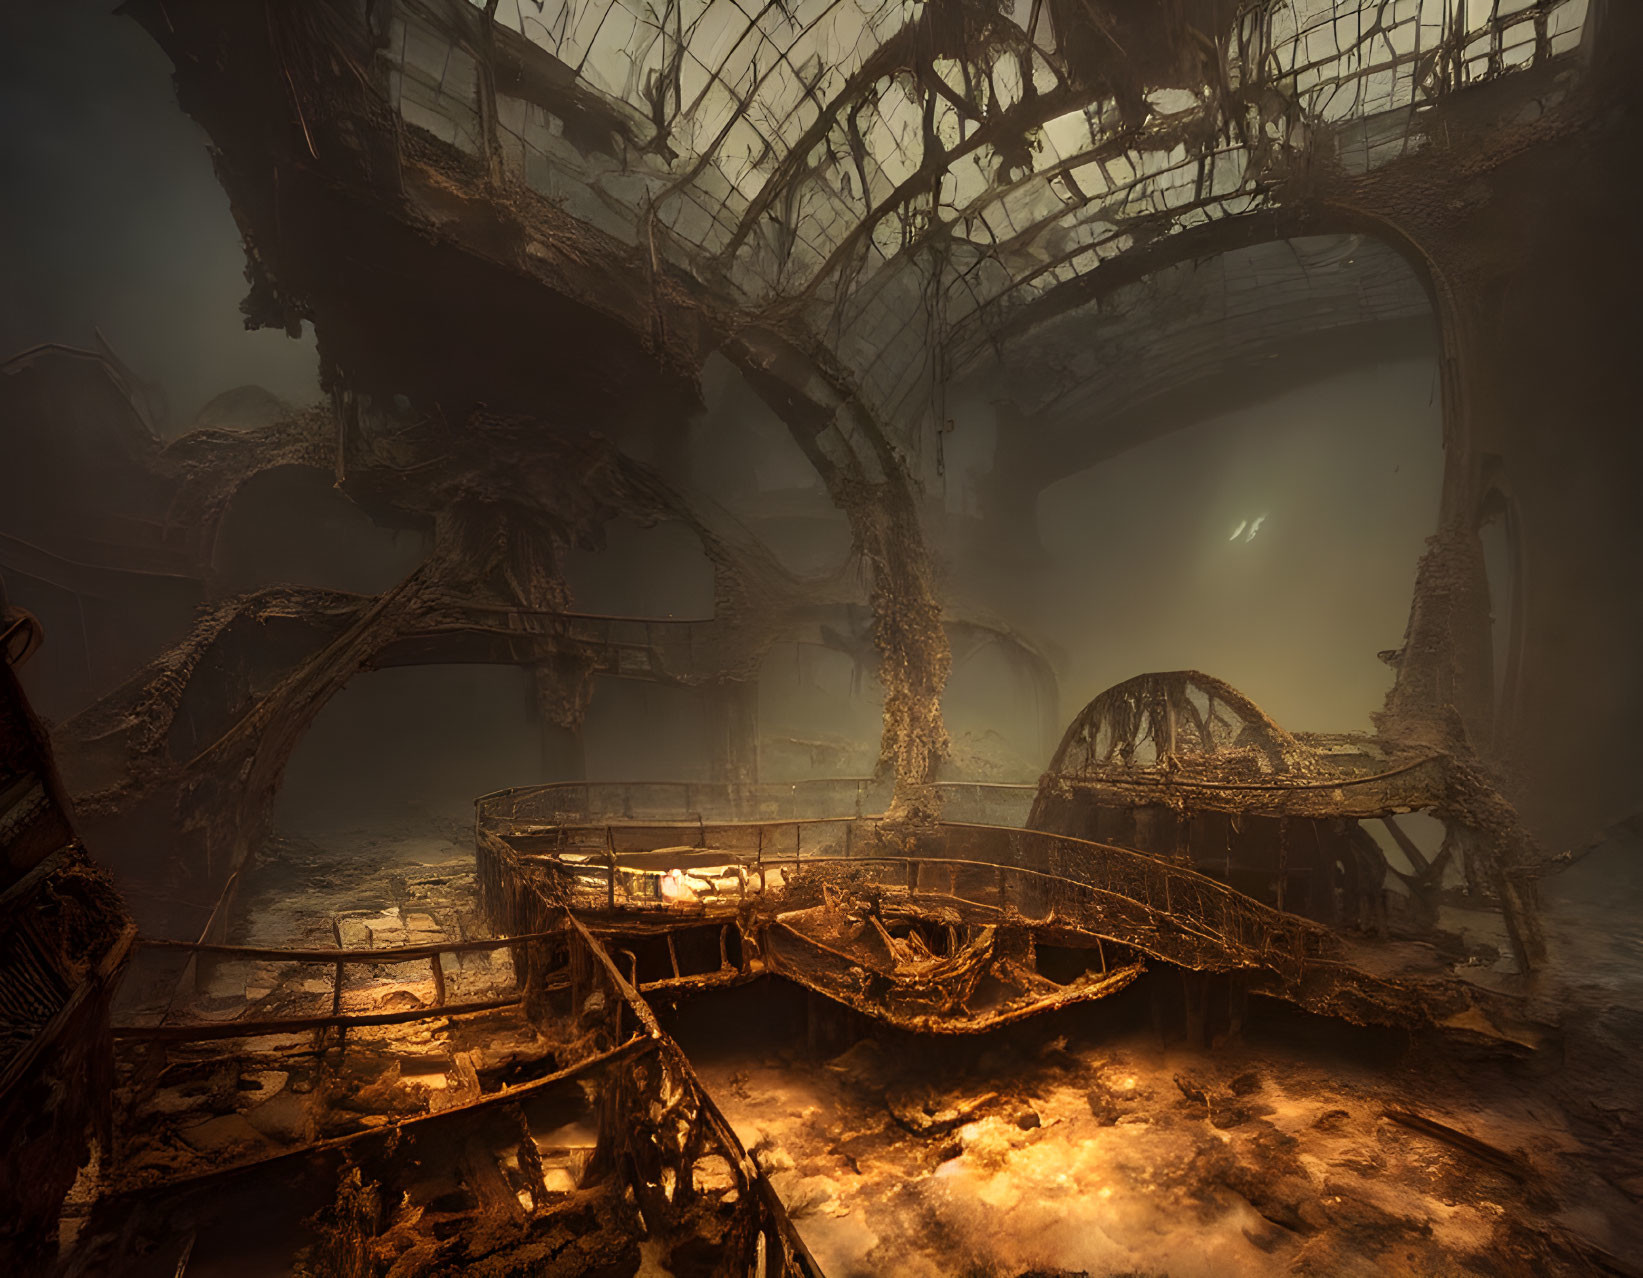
1075	1145
1092	1140
186	1108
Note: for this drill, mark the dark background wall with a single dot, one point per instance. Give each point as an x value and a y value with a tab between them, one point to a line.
111	218
1141	570
1556	352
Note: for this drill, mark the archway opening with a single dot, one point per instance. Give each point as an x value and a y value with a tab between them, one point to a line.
1238	462
291	526
413	746
1274	546
996	714
821	707
641	731
658	570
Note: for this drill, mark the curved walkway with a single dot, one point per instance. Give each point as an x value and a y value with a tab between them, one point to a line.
829	891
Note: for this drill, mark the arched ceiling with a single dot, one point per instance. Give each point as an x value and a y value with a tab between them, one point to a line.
907	182
1243	323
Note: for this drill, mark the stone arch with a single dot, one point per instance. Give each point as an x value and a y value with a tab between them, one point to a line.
1030	690
1437	665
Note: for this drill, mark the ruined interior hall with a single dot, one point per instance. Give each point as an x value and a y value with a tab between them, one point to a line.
850	638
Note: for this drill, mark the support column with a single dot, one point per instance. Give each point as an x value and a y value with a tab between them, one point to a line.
733	732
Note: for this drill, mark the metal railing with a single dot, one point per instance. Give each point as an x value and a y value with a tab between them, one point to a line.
167	1030
658	1122
632	646
590	802
1170	911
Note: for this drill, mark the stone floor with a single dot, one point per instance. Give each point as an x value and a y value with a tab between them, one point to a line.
1070	1144
1062	1148
238	1100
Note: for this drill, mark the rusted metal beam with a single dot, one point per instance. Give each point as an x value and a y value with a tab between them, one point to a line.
1417	858
751	1172
297	1024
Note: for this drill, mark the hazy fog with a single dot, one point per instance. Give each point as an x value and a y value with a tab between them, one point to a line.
112	218
1144	572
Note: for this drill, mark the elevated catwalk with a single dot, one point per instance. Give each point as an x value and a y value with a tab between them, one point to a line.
942	927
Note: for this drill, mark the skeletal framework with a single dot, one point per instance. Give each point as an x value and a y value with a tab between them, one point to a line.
520	230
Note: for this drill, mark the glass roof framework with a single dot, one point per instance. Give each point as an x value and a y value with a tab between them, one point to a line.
908	176
1203	319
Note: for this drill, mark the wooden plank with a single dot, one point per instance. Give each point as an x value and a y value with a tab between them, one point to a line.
336	991
705	981
186	1256
1512	1165
729	1143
